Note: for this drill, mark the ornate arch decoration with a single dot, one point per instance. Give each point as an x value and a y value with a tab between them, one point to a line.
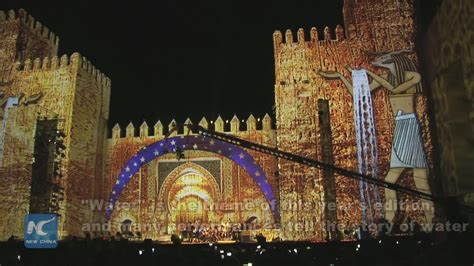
183	169
194	142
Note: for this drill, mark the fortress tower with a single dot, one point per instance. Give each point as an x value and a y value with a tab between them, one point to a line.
53	127
383	25
21	38
372	26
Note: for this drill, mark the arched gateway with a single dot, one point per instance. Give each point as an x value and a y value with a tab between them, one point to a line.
193	142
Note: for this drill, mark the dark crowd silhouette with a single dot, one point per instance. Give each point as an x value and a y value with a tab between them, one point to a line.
413	250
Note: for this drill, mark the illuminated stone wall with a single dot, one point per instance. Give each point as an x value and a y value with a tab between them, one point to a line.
448	57
16	169
146	196
373	26
21	38
88	128
76	94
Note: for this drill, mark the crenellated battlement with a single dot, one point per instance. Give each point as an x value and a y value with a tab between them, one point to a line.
92	70
314	36
297	61
232	126
37	27
76	60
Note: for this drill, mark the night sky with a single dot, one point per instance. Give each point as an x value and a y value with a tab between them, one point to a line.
179	59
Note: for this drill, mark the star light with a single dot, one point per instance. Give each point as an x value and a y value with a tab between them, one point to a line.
173	142
156	152
127	169
142	159
241	155
195	146
212	142
135	164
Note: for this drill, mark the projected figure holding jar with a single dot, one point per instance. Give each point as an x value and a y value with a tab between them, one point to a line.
402	81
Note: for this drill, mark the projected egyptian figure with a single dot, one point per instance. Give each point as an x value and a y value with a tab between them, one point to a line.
402	81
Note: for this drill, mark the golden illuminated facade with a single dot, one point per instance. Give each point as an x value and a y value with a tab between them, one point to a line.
72	94
319	67
205	186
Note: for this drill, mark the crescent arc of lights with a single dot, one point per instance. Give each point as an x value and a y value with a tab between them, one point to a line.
193	142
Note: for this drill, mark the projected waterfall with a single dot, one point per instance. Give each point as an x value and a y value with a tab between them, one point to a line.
366	140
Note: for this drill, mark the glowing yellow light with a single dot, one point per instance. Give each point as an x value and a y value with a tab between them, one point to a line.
190	179
192	191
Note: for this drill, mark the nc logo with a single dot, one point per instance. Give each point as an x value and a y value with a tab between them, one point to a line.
41	230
